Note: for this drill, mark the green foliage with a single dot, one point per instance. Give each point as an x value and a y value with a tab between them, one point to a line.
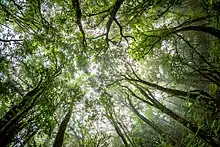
95	56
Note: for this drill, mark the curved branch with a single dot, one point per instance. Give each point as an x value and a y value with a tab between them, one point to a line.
78	12
209	30
121	31
143	100
113	13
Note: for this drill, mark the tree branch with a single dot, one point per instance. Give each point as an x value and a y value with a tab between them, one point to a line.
12	40
113	13
78	12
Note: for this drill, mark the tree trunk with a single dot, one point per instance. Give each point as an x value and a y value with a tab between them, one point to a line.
173	92
196	95
115	125
15	109
13	126
153	126
211	139
210	30
60	134
120	134
123	127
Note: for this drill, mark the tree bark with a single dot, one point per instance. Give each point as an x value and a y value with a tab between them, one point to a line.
120	134
14	125
60	134
15	109
115	125
152	125
209	138
193	95
209	30
112	14
166	90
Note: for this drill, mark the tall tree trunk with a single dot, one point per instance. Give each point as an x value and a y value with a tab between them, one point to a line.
115	125
13	126
60	134
153	125
183	94
124	129
210	138
15	109
111	115
120	134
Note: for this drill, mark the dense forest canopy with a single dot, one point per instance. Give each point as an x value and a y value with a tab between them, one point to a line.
110	73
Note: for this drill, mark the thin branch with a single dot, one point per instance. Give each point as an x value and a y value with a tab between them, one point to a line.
113	13
191	21
145	101
188	43
167	9
11	40
42	18
121	31
152	46
78	12
98	13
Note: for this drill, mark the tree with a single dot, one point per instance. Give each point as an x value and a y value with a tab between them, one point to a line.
109	73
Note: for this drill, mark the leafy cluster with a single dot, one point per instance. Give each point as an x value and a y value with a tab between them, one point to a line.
110	73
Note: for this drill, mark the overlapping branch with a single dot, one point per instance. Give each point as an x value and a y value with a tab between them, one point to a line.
113	18
78	13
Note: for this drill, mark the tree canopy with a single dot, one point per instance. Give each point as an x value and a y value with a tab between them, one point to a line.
110	73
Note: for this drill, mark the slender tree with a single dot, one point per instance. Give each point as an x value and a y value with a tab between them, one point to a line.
62	128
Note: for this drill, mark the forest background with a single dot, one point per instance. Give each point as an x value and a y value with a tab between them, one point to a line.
117	73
